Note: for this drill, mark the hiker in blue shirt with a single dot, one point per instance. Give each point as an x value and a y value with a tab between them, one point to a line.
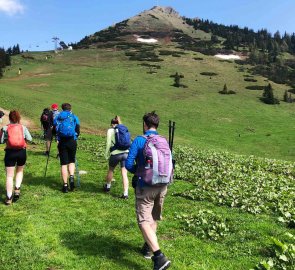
67	131
149	198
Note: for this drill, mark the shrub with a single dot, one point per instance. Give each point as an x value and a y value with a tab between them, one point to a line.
225	91
255	87
209	73
250	80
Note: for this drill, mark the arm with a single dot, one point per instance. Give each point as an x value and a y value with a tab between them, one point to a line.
77	128
27	134
132	155
109	142
2	132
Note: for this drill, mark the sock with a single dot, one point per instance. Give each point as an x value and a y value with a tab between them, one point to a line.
65	184
71	177
126	193
9	194
108	185
157	253
17	188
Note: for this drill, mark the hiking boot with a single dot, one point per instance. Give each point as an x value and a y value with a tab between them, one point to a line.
106	189
146	251
8	201
16	194
161	262
72	183
124	197
65	188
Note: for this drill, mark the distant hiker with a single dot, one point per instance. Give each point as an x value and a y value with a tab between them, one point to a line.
55	113
67	131
1	116
46	120
118	143
19	71
150	161
15	136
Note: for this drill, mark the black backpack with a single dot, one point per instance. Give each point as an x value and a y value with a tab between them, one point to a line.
46	118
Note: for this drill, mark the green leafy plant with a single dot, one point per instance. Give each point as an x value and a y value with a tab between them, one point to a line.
283	256
205	224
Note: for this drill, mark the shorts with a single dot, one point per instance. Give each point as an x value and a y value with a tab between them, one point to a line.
48	134
15	157
67	151
149	203
115	159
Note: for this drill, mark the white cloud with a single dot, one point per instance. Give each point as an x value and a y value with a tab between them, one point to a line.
11	7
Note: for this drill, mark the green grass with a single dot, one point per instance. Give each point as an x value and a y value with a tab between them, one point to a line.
102	83
88	229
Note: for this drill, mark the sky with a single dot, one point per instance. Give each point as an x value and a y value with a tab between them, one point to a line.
33	23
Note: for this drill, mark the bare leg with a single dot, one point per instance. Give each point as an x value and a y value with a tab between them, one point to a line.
72	168
64	173
19	176
9	180
109	175
149	235
125	180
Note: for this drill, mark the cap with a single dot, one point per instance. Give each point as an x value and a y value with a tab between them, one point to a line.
54	106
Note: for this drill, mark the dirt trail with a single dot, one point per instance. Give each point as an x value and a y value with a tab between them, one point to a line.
25	121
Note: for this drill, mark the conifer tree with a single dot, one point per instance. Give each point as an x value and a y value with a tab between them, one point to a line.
268	96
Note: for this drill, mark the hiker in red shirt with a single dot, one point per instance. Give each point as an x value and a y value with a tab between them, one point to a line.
15	136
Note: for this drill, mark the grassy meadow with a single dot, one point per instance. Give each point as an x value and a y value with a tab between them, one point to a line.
88	229
101	83
222	210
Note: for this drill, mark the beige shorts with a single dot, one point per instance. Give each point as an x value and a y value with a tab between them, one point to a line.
149	203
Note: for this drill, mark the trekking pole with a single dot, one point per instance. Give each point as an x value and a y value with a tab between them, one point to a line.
170	134
48	155
77	173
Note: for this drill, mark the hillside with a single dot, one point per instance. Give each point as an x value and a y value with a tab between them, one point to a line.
162	23
128	77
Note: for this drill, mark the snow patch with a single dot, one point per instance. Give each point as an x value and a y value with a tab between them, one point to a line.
147	40
227	56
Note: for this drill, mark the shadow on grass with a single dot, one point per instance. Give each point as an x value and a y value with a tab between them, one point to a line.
110	248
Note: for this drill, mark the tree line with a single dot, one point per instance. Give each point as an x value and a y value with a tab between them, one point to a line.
5	59
265	51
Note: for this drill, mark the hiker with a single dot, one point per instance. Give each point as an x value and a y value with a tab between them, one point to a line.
46	120
15	136
1	115
67	127
149	195
116	152
54	110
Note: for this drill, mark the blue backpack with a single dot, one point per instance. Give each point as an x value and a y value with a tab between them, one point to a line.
122	138
66	125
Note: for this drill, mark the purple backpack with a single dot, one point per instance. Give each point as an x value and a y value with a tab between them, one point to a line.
158	168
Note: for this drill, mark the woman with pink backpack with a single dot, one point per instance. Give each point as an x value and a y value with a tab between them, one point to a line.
15	136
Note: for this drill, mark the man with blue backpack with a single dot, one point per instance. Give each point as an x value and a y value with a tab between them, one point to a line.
118	143
150	160
67	127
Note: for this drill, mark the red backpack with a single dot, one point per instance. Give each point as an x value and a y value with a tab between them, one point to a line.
15	135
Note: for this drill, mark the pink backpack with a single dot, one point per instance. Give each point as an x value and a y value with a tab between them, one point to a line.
158	168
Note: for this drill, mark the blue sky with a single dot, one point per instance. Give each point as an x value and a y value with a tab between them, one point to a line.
33	23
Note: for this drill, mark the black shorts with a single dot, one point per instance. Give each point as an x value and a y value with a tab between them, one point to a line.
48	134
67	149
15	157
115	159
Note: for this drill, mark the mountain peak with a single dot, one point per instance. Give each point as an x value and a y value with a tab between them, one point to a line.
167	10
